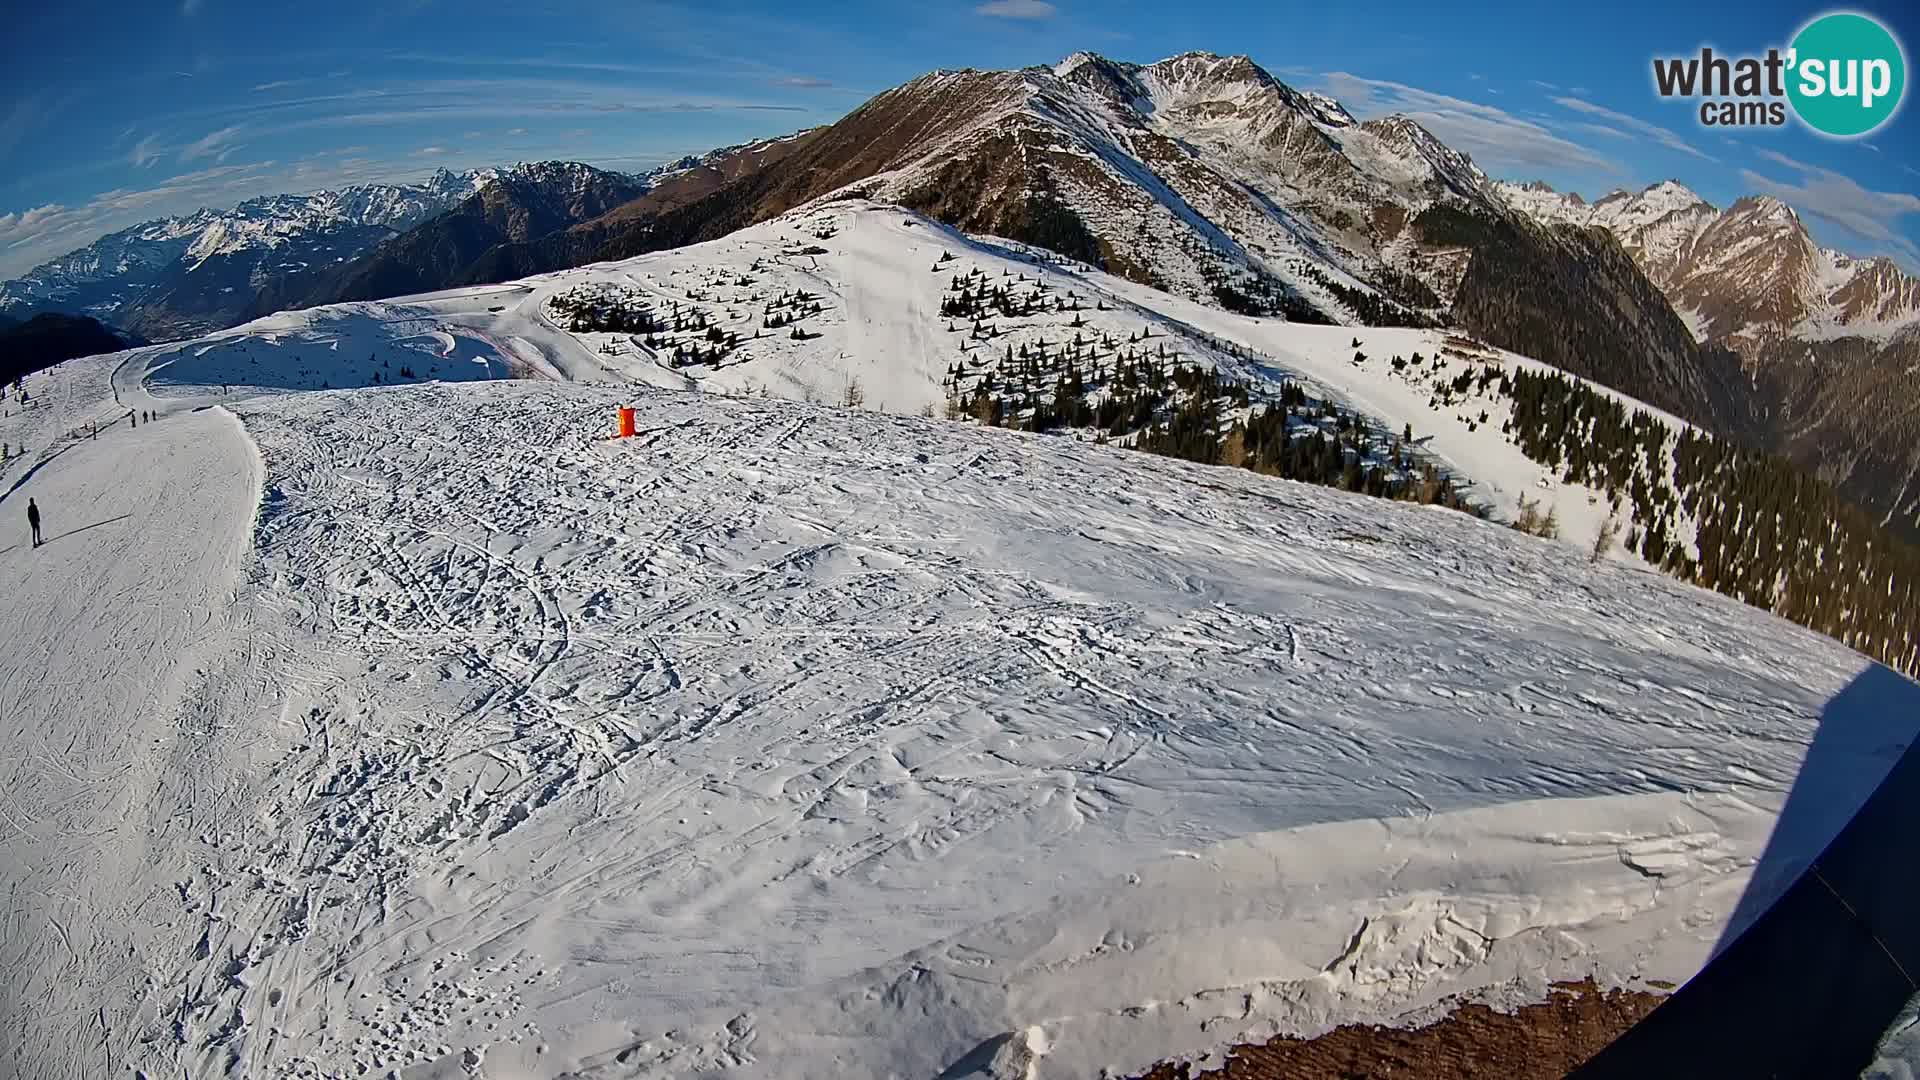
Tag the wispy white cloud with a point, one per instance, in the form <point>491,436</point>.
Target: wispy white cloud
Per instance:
<point>1872,217</point>
<point>147,151</point>
<point>1492,135</point>
<point>29,237</point>
<point>282,84</point>
<point>213,144</point>
<point>203,182</point>
<point>1779,158</point>
<point>550,63</point>
<point>455,101</point>
<point>803,82</point>
<point>1598,129</point>
<point>24,227</point>
<point>509,108</point>
<point>336,152</point>
<point>1017,9</point>
<point>1658,134</point>
<point>429,151</point>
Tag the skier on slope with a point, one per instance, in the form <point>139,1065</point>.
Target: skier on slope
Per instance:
<point>33,521</point>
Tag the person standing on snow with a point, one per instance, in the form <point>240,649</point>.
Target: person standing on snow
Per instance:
<point>33,521</point>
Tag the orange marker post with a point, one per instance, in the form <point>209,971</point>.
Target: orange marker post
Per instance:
<point>626,424</point>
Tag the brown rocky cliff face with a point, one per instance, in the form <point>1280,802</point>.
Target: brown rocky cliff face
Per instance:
<point>1751,273</point>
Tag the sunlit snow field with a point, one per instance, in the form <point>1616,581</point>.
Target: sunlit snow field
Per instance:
<point>356,729</point>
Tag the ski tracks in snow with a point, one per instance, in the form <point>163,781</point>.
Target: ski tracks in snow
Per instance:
<point>540,743</point>
<point>604,732</point>
<point>126,694</point>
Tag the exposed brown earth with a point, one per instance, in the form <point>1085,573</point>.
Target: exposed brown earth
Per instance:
<point>1543,1041</point>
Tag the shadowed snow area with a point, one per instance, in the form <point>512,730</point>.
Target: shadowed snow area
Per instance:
<point>426,730</point>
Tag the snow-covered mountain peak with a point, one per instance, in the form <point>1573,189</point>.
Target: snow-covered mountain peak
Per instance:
<point>1433,161</point>
<point>1255,178</point>
<point>448,183</point>
<point>1328,111</point>
<point>1065,68</point>
<point>1210,72</point>
<point>1671,193</point>
<point>1539,200</point>
<point>269,234</point>
<point>1765,209</point>
<point>1658,219</point>
<point>1115,82</point>
<point>1195,82</point>
<point>1749,275</point>
<point>1199,81</point>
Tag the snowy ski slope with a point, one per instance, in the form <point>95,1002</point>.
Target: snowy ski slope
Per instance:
<point>879,275</point>
<point>423,730</point>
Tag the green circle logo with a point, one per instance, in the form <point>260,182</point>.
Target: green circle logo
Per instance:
<point>1848,74</point>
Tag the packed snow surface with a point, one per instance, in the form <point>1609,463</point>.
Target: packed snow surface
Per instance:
<point>425,730</point>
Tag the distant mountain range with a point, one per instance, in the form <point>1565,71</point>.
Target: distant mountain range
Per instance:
<point>1748,275</point>
<point>508,206</point>
<point>1202,175</point>
<point>1829,342</point>
<point>185,275</point>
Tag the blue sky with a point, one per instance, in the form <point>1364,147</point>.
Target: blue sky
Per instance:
<point>114,113</point>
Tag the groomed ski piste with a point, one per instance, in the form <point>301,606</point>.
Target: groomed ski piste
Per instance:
<point>425,730</point>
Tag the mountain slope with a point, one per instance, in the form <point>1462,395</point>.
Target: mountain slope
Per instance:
<point>1200,174</point>
<point>190,274</point>
<point>513,206</point>
<point>880,745</point>
<point>858,302</point>
<point>204,271</point>
<point>1744,277</point>
<point>1206,177</point>
<point>1828,342</point>
<point>1574,298</point>
<point>669,188</point>
<point>49,338</point>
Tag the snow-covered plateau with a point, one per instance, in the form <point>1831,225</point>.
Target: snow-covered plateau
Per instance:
<point>372,712</point>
